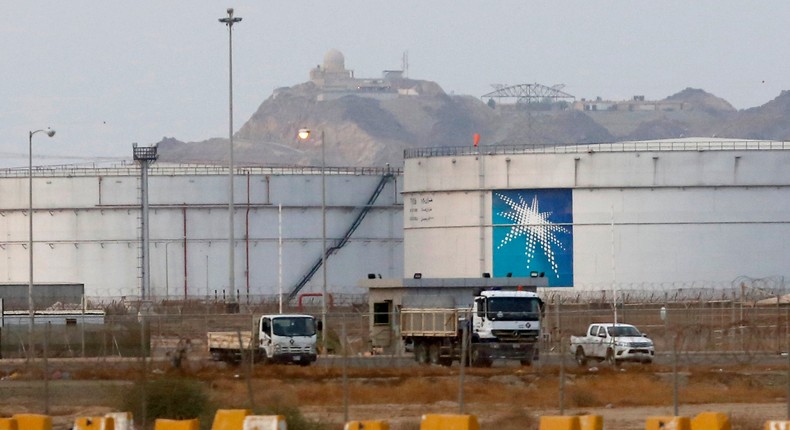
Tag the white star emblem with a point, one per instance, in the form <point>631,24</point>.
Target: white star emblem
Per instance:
<point>534,225</point>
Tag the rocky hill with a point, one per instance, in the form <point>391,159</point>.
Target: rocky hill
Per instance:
<point>369,131</point>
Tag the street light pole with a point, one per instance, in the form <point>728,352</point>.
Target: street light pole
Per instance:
<point>304,134</point>
<point>31,308</point>
<point>323,244</point>
<point>229,21</point>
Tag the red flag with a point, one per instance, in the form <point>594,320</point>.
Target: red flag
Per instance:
<point>477,139</point>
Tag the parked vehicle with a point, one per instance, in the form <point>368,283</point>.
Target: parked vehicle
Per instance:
<point>612,343</point>
<point>274,338</point>
<point>499,325</point>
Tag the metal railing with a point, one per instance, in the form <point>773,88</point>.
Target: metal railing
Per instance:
<point>628,146</point>
<point>131,169</point>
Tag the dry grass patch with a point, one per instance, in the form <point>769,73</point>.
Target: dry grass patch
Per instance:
<point>747,422</point>
<point>732,387</point>
<point>617,389</point>
<point>518,419</point>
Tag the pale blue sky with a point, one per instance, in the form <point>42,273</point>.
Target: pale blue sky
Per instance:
<point>106,74</point>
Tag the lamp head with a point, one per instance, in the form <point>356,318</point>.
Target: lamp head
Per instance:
<point>50,132</point>
<point>303,133</point>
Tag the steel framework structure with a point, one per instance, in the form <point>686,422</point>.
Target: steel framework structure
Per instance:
<point>529,93</point>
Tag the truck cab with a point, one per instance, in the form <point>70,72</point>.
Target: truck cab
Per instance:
<point>506,324</point>
<point>502,315</point>
<point>288,338</point>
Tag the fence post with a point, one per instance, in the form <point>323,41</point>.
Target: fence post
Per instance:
<point>675,375</point>
<point>464,347</point>
<point>46,368</point>
<point>345,370</point>
<point>247,368</point>
<point>562,377</point>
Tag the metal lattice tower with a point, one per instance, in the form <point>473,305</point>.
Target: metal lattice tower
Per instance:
<point>528,93</point>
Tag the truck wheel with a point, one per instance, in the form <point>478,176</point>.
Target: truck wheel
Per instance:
<point>446,361</point>
<point>420,353</point>
<point>480,360</point>
<point>581,359</point>
<point>526,362</point>
<point>610,360</point>
<point>433,353</point>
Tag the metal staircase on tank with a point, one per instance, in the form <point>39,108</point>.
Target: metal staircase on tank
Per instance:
<point>331,250</point>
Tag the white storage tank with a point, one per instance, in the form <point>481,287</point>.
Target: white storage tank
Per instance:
<point>664,214</point>
<point>87,229</point>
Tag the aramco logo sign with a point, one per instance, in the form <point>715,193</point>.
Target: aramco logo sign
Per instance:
<point>533,232</point>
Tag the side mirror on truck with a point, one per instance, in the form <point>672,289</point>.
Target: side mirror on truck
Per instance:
<point>319,325</point>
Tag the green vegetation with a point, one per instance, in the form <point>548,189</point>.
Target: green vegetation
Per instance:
<point>172,398</point>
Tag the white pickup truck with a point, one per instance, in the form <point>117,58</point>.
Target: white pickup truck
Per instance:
<point>612,343</point>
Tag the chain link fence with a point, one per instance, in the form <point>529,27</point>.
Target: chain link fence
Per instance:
<point>739,327</point>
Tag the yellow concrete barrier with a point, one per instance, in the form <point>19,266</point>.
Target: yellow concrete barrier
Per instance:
<point>94,423</point>
<point>8,424</point>
<point>667,423</point>
<point>591,422</point>
<point>711,421</point>
<point>367,425</point>
<point>121,420</point>
<point>449,422</point>
<point>33,421</point>
<point>165,424</point>
<point>777,425</point>
<point>229,419</point>
<point>559,422</point>
<point>264,422</point>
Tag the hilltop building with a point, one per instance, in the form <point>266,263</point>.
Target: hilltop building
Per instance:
<point>637,103</point>
<point>335,81</point>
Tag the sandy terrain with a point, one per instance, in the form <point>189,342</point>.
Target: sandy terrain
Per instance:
<point>502,398</point>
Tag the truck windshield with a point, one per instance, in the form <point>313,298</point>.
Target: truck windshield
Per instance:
<point>622,331</point>
<point>294,326</point>
<point>513,309</point>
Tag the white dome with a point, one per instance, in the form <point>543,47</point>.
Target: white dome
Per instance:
<point>334,61</point>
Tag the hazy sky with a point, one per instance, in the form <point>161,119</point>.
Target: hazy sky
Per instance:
<point>105,74</point>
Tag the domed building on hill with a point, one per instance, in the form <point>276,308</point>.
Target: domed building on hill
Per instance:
<point>335,81</point>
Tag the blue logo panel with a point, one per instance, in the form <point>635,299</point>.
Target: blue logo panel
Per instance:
<point>533,232</point>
